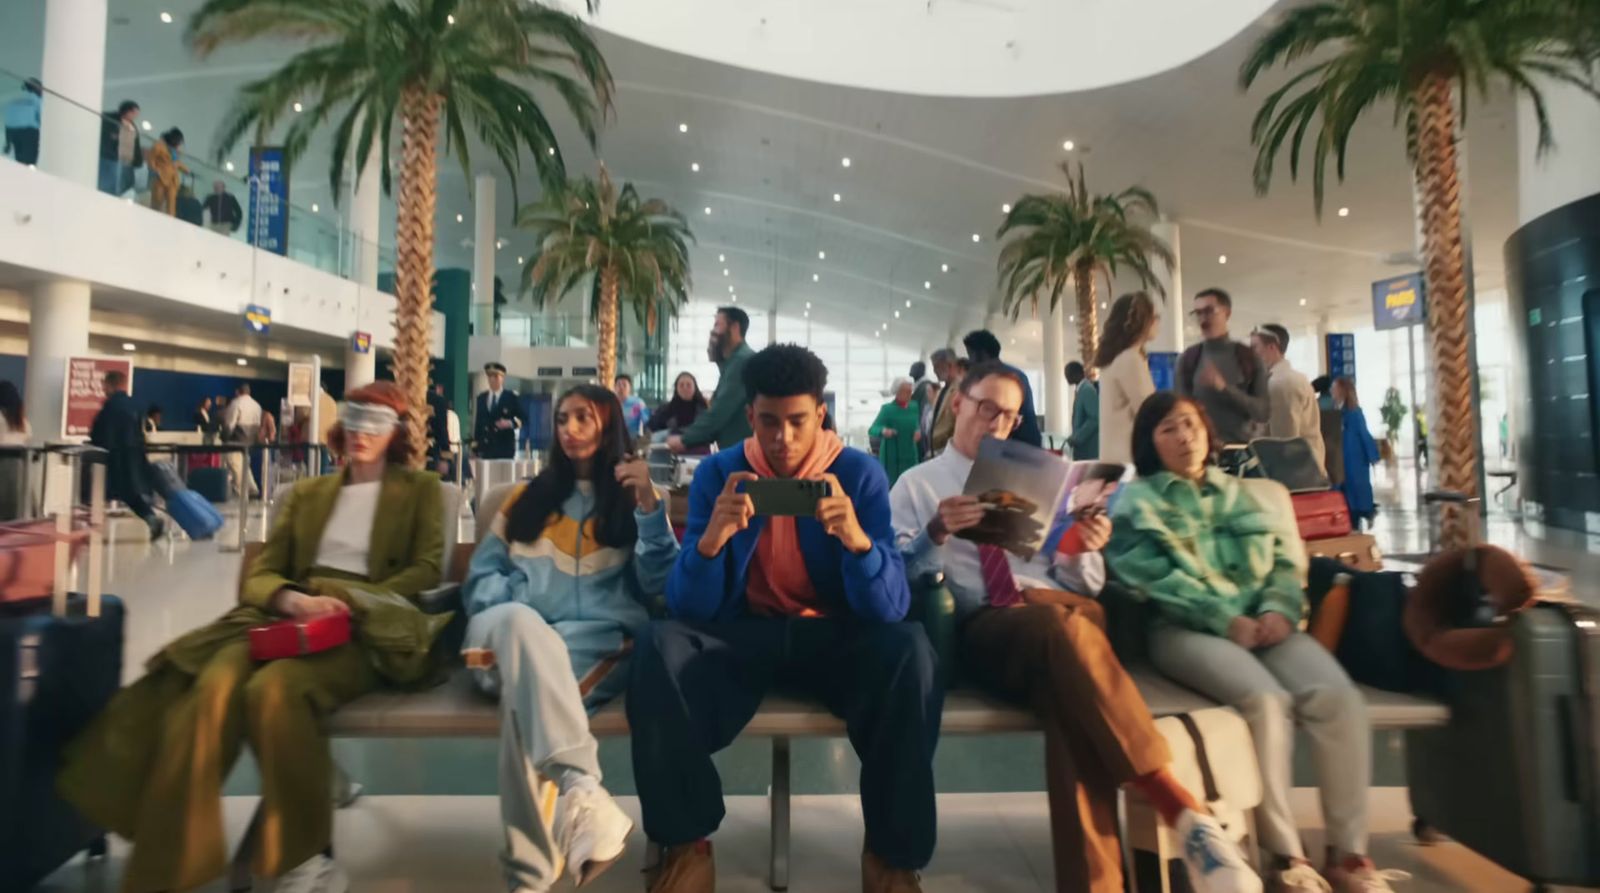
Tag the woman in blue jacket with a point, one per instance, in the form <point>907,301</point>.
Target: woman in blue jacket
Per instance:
<point>556,594</point>
<point>1360,454</point>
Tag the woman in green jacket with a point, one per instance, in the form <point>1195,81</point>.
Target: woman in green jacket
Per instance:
<point>365,542</point>
<point>1221,561</point>
<point>898,430</point>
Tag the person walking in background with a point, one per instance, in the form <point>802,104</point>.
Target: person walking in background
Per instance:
<point>1360,454</point>
<point>679,412</point>
<point>14,429</point>
<point>222,211</point>
<point>1322,385</point>
<point>634,412</point>
<point>241,426</point>
<point>983,346</point>
<point>1124,367</point>
<point>269,428</point>
<point>1291,401</point>
<point>896,427</point>
<point>438,431</point>
<point>1223,374</point>
<point>120,151</point>
<point>725,423</point>
<point>202,422</point>
<point>22,123</point>
<point>497,417</point>
<point>1085,437</point>
<point>152,420</point>
<point>116,430</point>
<point>166,172</point>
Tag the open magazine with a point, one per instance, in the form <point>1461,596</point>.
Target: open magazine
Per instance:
<point>1029,492</point>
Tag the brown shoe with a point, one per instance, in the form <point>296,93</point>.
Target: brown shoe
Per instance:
<point>686,868</point>
<point>877,877</point>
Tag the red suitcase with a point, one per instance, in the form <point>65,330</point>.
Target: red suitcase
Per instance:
<point>296,638</point>
<point>1321,515</point>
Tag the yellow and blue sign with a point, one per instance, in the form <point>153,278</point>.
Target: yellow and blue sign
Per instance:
<point>257,319</point>
<point>1398,302</point>
<point>361,342</point>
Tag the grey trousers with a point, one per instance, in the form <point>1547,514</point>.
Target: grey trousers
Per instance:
<point>544,732</point>
<point>1296,680</point>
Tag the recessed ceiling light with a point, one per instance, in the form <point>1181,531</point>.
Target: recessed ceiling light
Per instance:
<point>708,210</point>
<point>298,107</point>
<point>837,197</point>
<point>722,258</point>
<point>725,271</point>
<point>519,260</point>
<point>877,334</point>
<point>1013,341</point>
<point>683,128</point>
<point>145,124</point>
<point>897,314</point>
<point>1069,145</point>
<point>227,165</point>
<point>499,244</point>
<point>908,302</point>
<point>1222,258</point>
<point>550,151</point>
<point>944,268</point>
<point>450,20</point>
<point>1302,302</point>
<point>1103,305</point>
<point>806,314</point>
<point>1344,212</point>
<point>815,278</point>
<point>242,361</point>
<point>808,305</point>
<point>844,162</point>
<point>926,284</point>
<point>314,208</point>
<point>166,18</point>
<point>734,298</point>
<point>730,289</point>
<point>694,166</point>
<point>822,255</point>
<point>1072,319</point>
<point>129,345</point>
<point>975,237</point>
<point>460,219</point>
<point>885,327</point>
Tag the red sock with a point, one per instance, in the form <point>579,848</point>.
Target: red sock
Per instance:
<point>1166,794</point>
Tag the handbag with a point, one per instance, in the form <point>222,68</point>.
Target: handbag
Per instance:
<point>297,638</point>
<point>1214,754</point>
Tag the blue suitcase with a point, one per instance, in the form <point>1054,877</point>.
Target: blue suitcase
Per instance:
<point>198,517</point>
<point>211,483</point>
<point>56,673</point>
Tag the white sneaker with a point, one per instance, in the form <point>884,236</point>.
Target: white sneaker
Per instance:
<point>1300,877</point>
<point>318,874</point>
<point>1214,862</point>
<point>591,831</point>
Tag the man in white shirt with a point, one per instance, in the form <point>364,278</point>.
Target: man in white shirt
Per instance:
<point>241,424</point>
<point>1024,637</point>
<point>1292,401</point>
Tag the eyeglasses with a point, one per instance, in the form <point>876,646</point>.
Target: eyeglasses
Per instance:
<point>1203,312</point>
<point>988,410</point>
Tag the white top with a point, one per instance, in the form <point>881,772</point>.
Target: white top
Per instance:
<point>914,502</point>
<point>12,437</point>
<point>1294,410</point>
<point>453,429</point>
<point>243,412</point>
<point>1124,385</point>
<point>348,536</point>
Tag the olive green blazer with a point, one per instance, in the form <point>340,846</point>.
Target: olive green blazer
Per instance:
<point>407,547</point>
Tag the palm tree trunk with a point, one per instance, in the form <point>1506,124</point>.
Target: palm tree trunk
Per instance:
<point>608,325</point>
<point>1455,437</point>
<point>413,279</point>
<point>1088,314</point>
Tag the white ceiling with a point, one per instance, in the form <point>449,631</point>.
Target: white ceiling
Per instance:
<point>926,173</point>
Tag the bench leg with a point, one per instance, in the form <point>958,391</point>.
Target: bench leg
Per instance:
<point>239,869</point>
<point>779,876</point>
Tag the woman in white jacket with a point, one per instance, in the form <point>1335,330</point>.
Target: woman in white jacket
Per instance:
<point>1124,372</point>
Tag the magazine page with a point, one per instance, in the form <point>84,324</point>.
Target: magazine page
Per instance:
<point>1087,493</point>
<point>1019,486</point>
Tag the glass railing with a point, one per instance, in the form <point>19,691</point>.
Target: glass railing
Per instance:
<point>211,196</point>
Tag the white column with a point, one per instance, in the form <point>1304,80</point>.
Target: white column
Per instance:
<point>1568,171</point>
<point>360,369</point>
<point>483,187</point>
<point>1055,384</point>
<point>74,77</point>
<point>1174,312</point>
<point>772,325</point>
<point>58,327</point>
<point>364,218</point>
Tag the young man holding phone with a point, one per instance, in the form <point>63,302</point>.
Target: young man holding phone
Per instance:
<point>813,600</point>
<point>1024,635</point>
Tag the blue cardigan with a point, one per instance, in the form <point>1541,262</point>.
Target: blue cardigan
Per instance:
<point>871,586</point>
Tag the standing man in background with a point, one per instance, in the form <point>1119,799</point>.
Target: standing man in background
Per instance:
<point>944,418</point>
<point>723,423</point>
<point>1085,436</point>
<point>241,425</point>
<point>1224,375</point>
<point>983,346</point>
<point>944,361</point>
<point>22,122</point>
<point>222,211</point>
<point>116,430</point>
<point>1291,401</point>
<point>497,417</point>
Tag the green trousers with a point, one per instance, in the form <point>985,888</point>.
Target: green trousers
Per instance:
<point>151,766</point>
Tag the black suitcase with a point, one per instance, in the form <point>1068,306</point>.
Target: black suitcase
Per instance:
<point>1515,776</point>
<point>56,673</point>
<point>212,483</point>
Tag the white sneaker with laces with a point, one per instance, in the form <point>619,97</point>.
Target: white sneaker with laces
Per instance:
<point>318,874</point>
<point>1300,877</point>
<point>591,830</point>
<point>1213,861</point>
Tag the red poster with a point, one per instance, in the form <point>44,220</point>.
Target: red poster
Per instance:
<point>85,391</point>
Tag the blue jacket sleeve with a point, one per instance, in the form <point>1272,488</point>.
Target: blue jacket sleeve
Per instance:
<point>875,581</point>
<point>655,552</point>
<point>698,585</point>
<point>492,578</point>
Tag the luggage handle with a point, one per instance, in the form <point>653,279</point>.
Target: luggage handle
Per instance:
<point>64,536</point>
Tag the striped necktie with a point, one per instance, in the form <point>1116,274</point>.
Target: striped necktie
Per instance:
<point>998,582</point>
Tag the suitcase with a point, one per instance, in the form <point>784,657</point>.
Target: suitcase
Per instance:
<point>1290,462</point>
<point>1357,550</point>
<point>164,479</point>
<point>198,517</point>
<point>1321,515</point>
<point>210,483</point>
<point>1527,735</point>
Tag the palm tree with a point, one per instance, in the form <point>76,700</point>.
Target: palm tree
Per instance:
<point>1414,54</point>
<point>431,63</point>
<point>1075,235</point>
<point>637,250</point>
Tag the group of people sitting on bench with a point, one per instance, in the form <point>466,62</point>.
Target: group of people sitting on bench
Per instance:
<point>564,598</point>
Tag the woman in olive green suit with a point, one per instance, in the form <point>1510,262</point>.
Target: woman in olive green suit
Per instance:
<point>365,541</point>
<point>898,428</point>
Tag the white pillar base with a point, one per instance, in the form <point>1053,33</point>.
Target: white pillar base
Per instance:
<point>58,328</point>
<point>360,369</point>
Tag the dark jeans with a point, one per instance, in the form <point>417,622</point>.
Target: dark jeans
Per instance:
<point>24,143</point>
<point>694,686</point>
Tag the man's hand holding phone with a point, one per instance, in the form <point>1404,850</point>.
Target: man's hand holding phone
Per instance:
<point>956,513</point>
<point>731,514</point>
<point>837,514</point>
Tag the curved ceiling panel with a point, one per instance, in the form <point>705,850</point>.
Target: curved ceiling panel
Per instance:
<point>940,47</point>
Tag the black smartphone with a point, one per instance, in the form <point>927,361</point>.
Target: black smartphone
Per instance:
<point>785,496</point>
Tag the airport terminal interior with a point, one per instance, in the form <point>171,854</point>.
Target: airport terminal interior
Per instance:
<point>206,210</point>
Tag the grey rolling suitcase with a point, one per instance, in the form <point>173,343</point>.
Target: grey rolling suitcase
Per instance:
<point>1515,776</point>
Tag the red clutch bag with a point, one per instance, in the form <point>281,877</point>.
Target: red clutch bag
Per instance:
<point>294,638</point>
